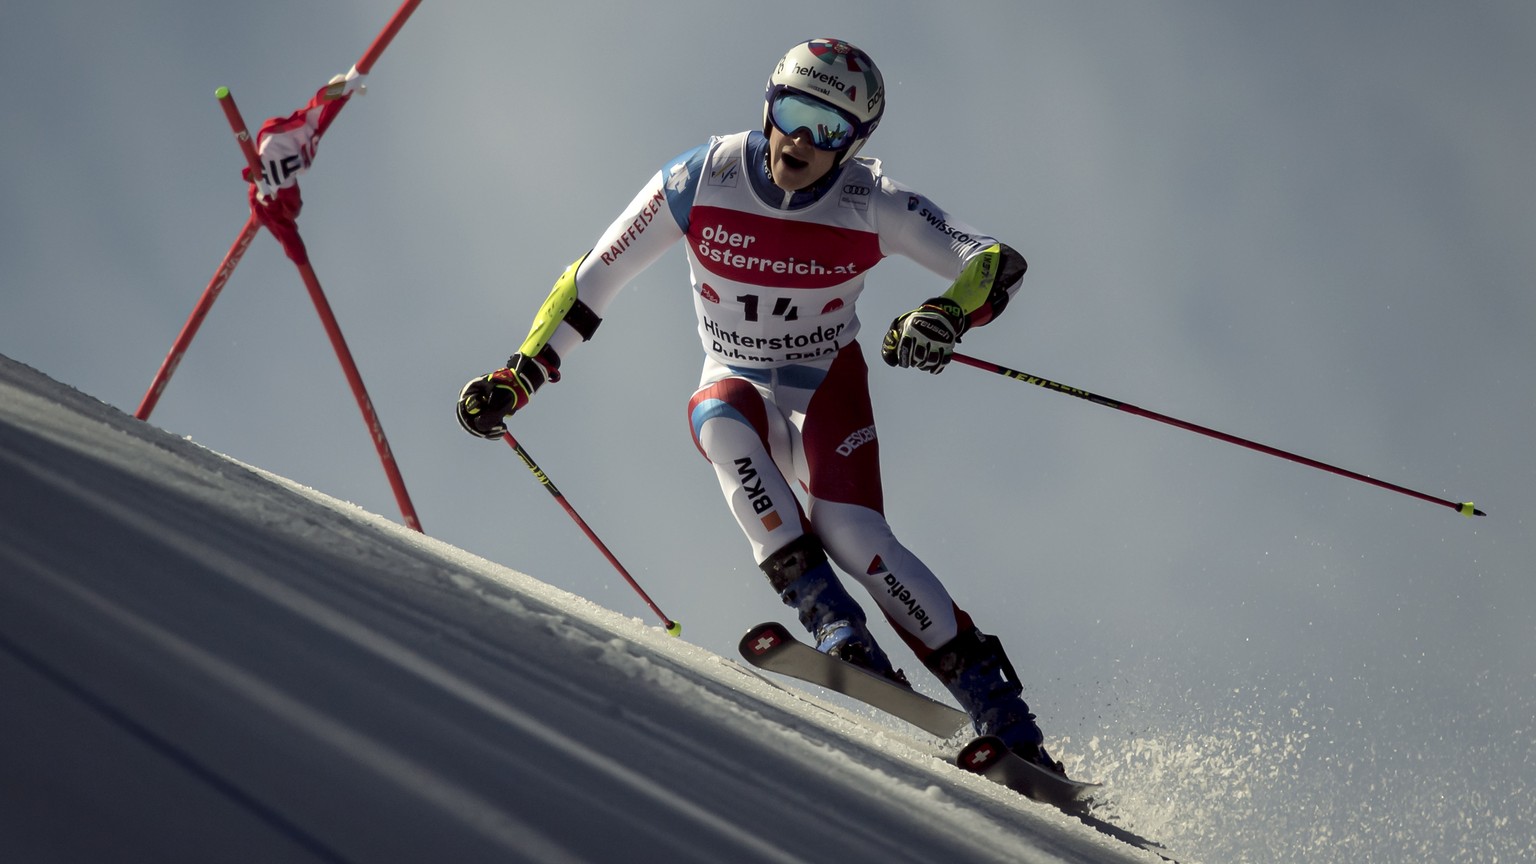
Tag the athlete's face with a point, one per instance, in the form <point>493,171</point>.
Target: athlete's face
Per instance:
<point>794,163</point>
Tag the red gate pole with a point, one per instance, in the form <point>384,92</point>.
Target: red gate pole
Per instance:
<point>332,328</point>
<point>247,234</point>
<point>387,35</point>
<point>195,320</point>
<point>360,393</point>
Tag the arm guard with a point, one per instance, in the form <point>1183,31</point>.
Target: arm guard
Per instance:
<point>562,305</point>
<point>987,283</point>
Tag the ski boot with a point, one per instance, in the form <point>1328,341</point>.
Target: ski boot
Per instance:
<point>973,667</point>
<point>804,579</point>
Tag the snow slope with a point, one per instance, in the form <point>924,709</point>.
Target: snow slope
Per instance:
<point>203,662</point>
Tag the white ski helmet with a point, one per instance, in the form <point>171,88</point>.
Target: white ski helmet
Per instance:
<point>826,73</point>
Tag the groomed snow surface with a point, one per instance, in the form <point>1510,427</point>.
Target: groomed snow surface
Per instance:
<point>203,662</point>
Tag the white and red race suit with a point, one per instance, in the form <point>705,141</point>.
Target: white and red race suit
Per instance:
<point>784,395</point>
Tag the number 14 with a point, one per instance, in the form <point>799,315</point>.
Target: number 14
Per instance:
<point>782,308</point>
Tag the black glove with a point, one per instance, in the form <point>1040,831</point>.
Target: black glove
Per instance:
<point>925,337</point>
<point>486,402</point>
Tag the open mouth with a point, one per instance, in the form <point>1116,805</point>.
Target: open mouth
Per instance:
<point>793,163</point>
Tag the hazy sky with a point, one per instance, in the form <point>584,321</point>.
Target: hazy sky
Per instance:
<point>1309,224</point>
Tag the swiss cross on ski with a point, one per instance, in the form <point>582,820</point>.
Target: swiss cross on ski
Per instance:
<point>765,640</point>
<point>980,755</point>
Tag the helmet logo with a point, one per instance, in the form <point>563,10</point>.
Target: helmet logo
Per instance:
<point>824,82</point>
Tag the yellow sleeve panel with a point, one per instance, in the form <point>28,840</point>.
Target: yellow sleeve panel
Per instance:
<point>560,301</point>
<point>974,286</point>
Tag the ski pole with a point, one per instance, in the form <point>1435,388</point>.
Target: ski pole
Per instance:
<point>1464,508</point>
<point>673,628</point>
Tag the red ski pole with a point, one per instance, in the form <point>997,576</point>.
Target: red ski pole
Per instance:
<point>1465,508</point>
<point>673,628</point>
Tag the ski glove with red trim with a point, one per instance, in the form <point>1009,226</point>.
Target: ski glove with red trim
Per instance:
<point>925,337</point>
<point>486,402</point>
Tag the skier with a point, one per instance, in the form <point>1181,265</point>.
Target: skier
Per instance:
<point>781,226</point>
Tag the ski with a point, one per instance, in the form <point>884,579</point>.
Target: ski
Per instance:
<point>991,758</point>
<point>770,647</point>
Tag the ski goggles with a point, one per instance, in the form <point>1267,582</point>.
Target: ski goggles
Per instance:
<point>830,128</point>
